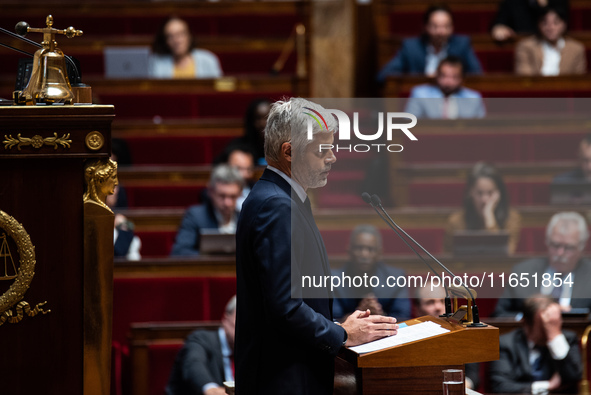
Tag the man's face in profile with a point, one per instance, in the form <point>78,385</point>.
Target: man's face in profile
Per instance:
<point>449,78</point>
<point>585,159</point>
<point>311,169</point>
<point>364,252</point>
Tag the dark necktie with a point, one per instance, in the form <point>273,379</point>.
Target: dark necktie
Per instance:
<point>308,205</point>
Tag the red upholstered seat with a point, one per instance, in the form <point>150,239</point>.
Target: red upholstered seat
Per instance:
<point>161,359</point>
<point>470,148</point>
<point>221,289</point>
<point>156,243</point>
<point>158,299</point>
<point>179,150</point>
<point>175,105</point>
<point>446,194</point>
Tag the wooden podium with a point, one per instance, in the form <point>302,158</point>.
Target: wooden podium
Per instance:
<point>415,368</point>
<point>54,250</point>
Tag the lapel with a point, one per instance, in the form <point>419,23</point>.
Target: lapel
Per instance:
<point>275,178</point>
<point>523,351</point>
<point>538,56</point>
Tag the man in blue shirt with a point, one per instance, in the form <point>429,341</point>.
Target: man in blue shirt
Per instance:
<point>421,55</point>
<point>446,98</point>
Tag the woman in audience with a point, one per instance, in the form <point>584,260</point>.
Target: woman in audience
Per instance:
<point>550,52</point>
<point>486,207</point>
<point>175,55</point>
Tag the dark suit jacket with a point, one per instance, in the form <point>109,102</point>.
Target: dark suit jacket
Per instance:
<point>196,218</point>
<point>199,362</point>
<point>511,301</point>
<point>394,300</point>
<point>511,373</point>
<point>522,15</point>
<point>284,344</point>
<point>410,59</point>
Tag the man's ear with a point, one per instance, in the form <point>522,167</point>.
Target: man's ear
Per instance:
<point>286,151</point>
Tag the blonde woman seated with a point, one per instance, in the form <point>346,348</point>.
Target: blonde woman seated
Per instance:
<point>549,52</point>
<point>486,207</point>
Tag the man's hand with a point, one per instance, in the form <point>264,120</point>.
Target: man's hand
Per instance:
<point>555,382</point>
<point>362,327</point>
<point>370,302</point>
<point>552,321</point>
<point>502,32</point>
<point>215,391</point>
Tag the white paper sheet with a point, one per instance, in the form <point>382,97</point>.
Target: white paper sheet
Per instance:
<point>405,335</point>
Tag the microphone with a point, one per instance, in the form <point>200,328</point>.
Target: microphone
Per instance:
<point>373,202</point>
<point>376,201</point>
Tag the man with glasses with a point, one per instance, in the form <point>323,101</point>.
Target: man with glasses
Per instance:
<point>365,250</point>
<point>563,274</point>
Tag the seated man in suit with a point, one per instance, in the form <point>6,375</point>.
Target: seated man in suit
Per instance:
<point>241,157</point>
<point>206,360</point>
<point>583,172</point>
<point>446,98</point>
<point>219,212</point>
<point>421,55</point>
<point>539,357</point>
<point>365,249</point>
<point>567,274</point>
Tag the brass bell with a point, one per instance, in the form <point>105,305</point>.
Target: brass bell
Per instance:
<point>49,81</point>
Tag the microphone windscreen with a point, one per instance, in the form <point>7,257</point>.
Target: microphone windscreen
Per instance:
<point>366,198</point>
<point>375,199</point>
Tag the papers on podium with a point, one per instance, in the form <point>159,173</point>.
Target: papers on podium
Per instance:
<point>405,335</point>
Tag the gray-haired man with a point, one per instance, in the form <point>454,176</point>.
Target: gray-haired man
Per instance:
<point>219,212</point>
<point>566,237</point>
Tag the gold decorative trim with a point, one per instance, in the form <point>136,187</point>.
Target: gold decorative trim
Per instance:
<point>24,275</point>
<point>37,141</point>
<point>94,140</point>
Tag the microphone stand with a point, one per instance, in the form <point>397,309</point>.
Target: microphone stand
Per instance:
<point>369,201</point>
<point>376,201</point>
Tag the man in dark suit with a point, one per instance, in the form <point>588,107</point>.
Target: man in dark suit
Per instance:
<point>583,172</point>
<point>421,55</point>
<point>566,236</point>
<point>539,357</point>
<point>286,340</point>
<point>365,249</point>
<point>219,212</point>
<point>206,359</point>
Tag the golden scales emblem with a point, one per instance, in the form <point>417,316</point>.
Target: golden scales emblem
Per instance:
<point>21,277</point>
<point>5,253</point>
